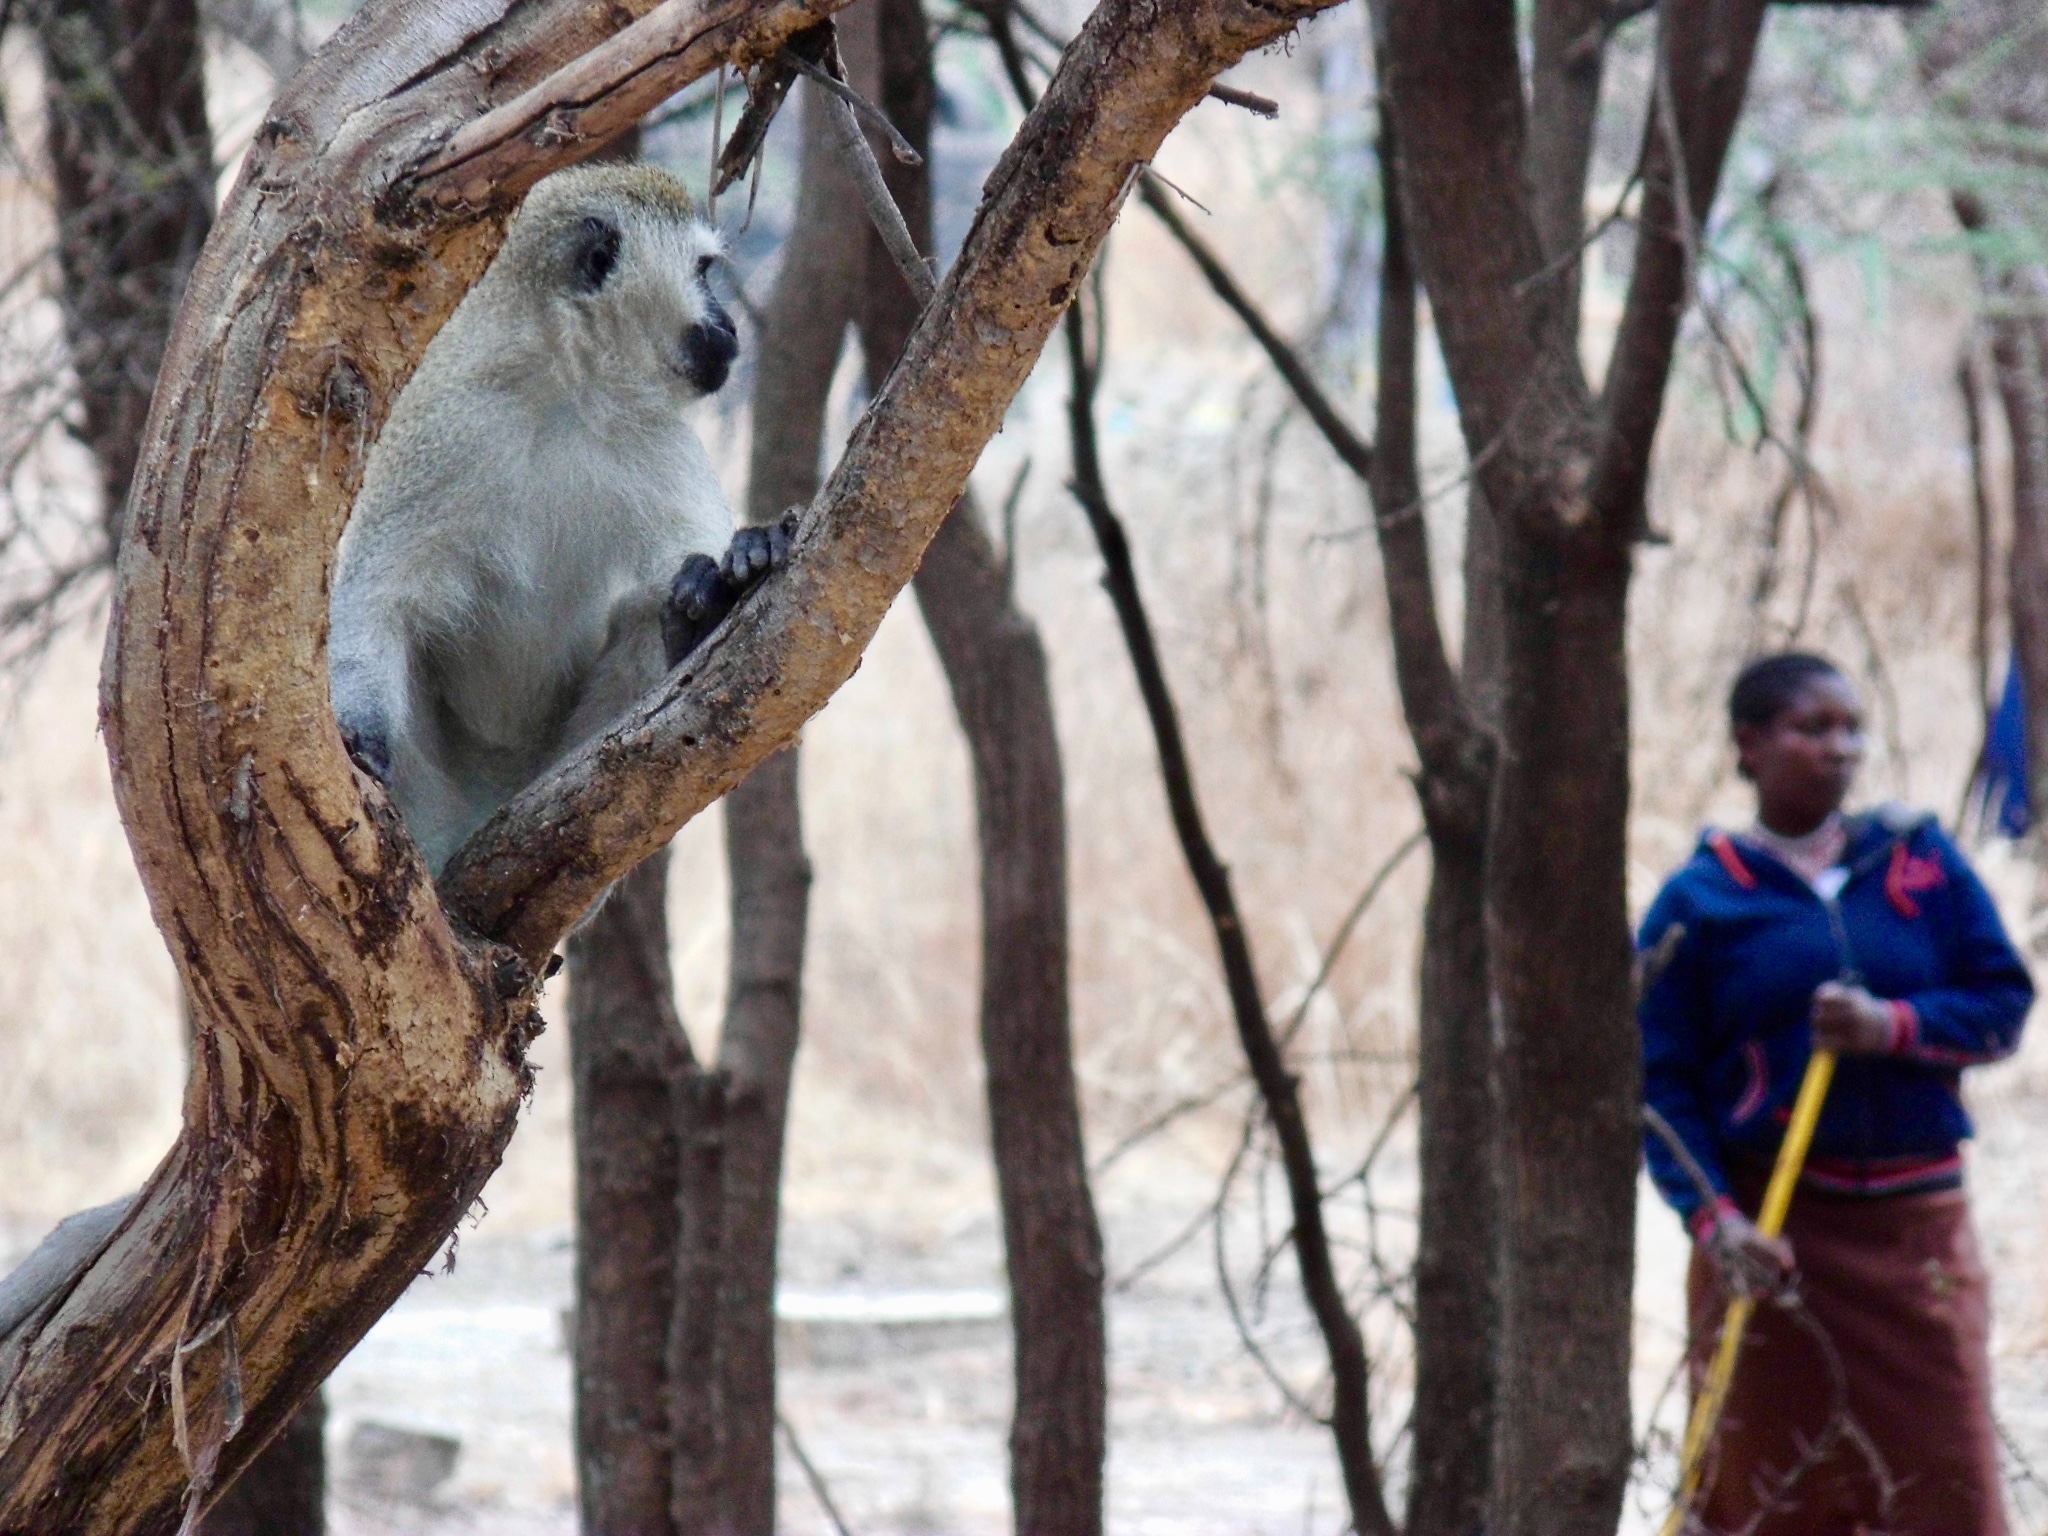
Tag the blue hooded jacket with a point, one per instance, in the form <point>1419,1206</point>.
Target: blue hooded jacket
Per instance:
<point>1725,1010</point>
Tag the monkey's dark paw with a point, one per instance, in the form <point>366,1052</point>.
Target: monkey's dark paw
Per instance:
<point>697,599</point>
<point>368,749</point>
<point>754,552</point>
<point>700,591</point>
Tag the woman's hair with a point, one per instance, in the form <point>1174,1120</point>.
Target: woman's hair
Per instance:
<point>1767,687</point>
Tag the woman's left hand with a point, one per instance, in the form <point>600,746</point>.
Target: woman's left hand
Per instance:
<point>1850,1022</point>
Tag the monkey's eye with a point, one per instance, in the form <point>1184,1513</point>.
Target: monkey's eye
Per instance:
<point>597,254</point>
<point>705,264</point>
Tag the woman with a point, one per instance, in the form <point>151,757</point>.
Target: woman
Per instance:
<point>1862,1401</point>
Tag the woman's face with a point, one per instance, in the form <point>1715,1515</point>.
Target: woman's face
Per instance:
<point>1804,761</point>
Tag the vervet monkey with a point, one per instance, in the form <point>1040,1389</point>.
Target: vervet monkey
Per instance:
<point>539,530</point>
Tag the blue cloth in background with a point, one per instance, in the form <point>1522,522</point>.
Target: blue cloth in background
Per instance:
<point>2004,780</point>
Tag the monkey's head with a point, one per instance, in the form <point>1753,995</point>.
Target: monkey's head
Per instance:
<point>616,261</point>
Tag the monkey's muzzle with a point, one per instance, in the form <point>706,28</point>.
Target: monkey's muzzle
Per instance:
<point>708,350</point>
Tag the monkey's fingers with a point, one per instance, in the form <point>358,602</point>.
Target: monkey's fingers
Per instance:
<point>748,558</point>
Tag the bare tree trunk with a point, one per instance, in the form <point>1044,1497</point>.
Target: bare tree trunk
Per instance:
<point>771,880</point>
<point>630,1067</point>
<point>132,165</point>
<point>1457,1301</point>
<point>131,161</point>
<point>995,666</point>
<point>1564,480</point>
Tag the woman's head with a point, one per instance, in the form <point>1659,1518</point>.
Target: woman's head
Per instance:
<point>1799,734</point>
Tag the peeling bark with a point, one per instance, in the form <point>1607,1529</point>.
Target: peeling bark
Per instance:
<point>359,1058</point>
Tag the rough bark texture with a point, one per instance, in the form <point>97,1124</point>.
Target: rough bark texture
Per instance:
<point>1987,63</point>
<point>131,165</point>
<point>771,881</point>
<point>1564,480</point>
<point>360,1060</point>
<point>1457,1301</point>
<point>995,666</point>
<point>630,1069</point>
<point>131,161</point>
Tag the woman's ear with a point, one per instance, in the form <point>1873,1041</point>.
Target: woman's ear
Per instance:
<point>1747,739</point>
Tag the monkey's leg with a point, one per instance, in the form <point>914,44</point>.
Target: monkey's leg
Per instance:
<point>704,592</point>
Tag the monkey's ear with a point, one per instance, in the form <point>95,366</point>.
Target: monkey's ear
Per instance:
<point>596,254</point>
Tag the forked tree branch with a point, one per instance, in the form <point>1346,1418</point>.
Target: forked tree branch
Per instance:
<point>359,1059</point>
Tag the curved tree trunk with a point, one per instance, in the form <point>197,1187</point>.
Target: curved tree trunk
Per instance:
<point>360,1057</point>
<point>131,160</point>
<point>995,666</point>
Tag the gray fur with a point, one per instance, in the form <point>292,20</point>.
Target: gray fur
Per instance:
<point>57,1261</point>
<point>499,593</point>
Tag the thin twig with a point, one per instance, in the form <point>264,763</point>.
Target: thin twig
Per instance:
<point>1279,1090</point>
<point>1251,101</point>
<point>866,171</point>
<point>899,146</point>
<point>812,1475</point>
<point>1342,937</point>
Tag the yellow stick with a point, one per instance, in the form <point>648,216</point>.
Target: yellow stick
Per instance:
<point>1706,1411</point>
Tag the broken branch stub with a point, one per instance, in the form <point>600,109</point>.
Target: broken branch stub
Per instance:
<point>359,1058</point>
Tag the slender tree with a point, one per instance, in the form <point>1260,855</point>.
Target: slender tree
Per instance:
<point>995,667</point>
<point>1491,211</point>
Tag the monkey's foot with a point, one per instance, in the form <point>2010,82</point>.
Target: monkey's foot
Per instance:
<point>368,750</point>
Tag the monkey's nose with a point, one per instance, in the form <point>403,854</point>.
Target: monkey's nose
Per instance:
<point>708,350</point>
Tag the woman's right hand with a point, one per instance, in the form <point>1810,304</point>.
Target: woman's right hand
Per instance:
<point>1749,1263</point>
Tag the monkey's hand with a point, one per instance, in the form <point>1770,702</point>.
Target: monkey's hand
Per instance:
<point>704,593</point>
<point>368,748</point>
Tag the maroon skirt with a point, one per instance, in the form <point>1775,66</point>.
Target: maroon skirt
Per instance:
<point>1864,1407</point>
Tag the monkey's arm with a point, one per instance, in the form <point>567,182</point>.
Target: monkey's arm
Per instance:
<point>705,591</point>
